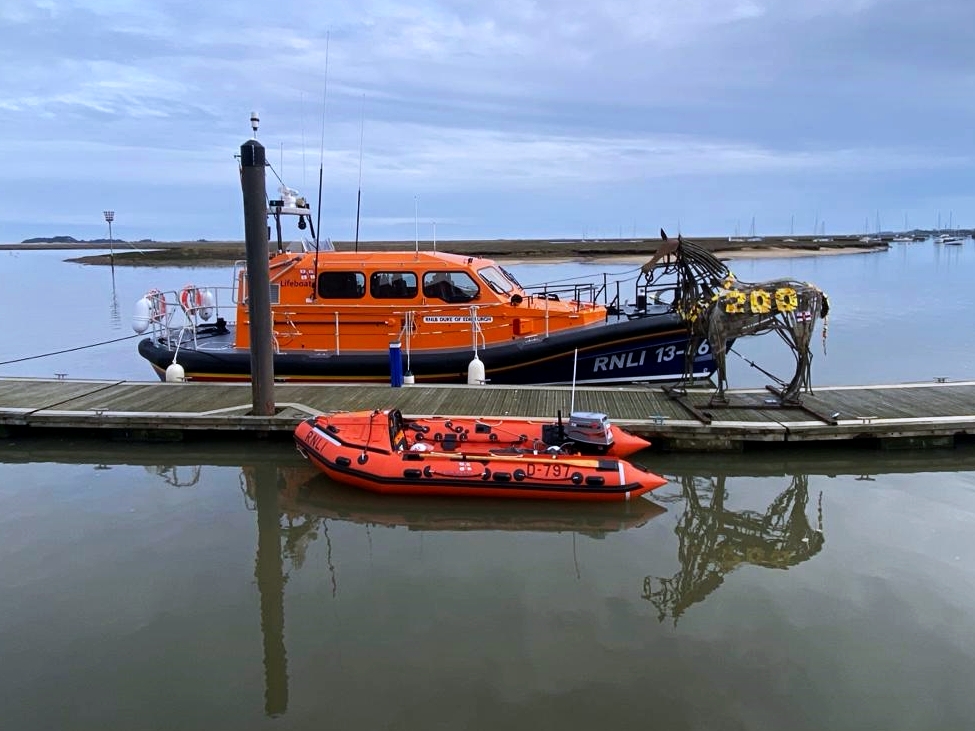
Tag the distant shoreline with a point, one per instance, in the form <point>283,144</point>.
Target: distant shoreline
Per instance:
<point>206,253</point>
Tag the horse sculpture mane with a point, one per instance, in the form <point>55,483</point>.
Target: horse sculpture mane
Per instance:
<point>718,308</point>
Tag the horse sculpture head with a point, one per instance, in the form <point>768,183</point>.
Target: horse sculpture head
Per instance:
<point>719,308</point>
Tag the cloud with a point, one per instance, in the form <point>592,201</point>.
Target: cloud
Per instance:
<point>522,97</point>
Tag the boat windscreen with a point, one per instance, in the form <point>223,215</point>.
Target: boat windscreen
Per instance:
<point>493,277</point>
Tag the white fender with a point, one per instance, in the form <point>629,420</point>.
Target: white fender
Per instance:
<point>208,303</point>
<point>475,373</point>
<point>142,316</point>
<point>175,373</point>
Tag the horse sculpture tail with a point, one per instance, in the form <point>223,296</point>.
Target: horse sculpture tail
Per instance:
<point>824,313</point>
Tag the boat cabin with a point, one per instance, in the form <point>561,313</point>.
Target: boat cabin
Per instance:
<point>361,301</point>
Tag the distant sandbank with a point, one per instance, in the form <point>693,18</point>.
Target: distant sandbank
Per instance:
<point>637,251</point>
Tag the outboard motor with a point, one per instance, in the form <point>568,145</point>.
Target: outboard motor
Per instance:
<point>589,427</point>
<point>588,432</point>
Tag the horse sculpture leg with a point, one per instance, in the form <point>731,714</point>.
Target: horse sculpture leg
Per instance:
<point>687,377</point>
<point>802,380</point>
<point>802,332</point>
<point>717,335</point>
<point>719,351</point>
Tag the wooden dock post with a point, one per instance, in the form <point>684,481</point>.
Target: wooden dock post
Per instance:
<point>252,163</point>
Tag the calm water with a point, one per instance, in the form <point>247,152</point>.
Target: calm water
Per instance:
<point>901,315</point>
<point>164,587</point>
<point>185,586</point>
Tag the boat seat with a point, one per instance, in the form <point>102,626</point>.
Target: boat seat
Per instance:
<point>402,290</point>
<point>397,433</point>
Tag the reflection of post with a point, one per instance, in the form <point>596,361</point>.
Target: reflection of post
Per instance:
<point>270,584</point>
<point>115,316</point>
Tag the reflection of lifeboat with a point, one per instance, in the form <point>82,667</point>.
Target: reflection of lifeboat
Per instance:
<point>585,433</point>
<point>339,502</point>
<point>305,491</point>
<point>371,450</point>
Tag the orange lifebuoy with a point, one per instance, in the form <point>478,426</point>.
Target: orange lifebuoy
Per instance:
<point>191,298</point>
<point>157,303</point>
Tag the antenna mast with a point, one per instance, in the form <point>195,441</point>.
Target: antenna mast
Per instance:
<point>358,197</point>
<point>321,165</point>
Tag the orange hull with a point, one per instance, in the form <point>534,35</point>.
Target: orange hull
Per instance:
<point>371,453</point>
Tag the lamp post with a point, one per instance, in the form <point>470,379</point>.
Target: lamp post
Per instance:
<point>109,217</point>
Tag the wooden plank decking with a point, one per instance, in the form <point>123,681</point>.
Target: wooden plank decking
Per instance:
<point>901,415</point>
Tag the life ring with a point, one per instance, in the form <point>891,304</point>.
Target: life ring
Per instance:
<point>157,303</point>
<point>191,298</point>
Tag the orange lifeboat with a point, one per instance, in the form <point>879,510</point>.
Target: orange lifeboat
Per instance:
<point>454,318</point>
<point>372,450</point>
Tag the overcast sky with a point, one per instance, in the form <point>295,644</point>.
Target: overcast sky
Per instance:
<point>511,118</point>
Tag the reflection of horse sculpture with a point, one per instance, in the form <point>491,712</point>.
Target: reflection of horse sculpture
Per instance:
<point>718,308</point>
<point>715,540</point>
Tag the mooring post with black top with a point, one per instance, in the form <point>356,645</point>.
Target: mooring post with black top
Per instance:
<point>252,163</point>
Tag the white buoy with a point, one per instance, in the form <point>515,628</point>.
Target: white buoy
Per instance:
<point>208,301</point>
<point>175,373</point>
<point>408,379</point>
<point>142,316</point>
<point>475,373</point>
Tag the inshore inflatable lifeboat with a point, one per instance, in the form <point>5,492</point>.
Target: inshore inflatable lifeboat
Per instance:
<point>371,450</point>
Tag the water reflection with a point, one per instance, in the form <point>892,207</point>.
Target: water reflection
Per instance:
<point>726,512</point>
<point>714,540</point>
<point>295,502</point>
<point>114,315</point>
<point>176,475</point>
<point>304,494</point>
<point>269,571</point>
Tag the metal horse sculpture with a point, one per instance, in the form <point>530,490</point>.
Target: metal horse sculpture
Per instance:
<point>717,307</point>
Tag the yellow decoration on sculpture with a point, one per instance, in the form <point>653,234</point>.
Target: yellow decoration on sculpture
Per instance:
<point>760,301</point>
<point>786,299</point>
<point>734,301</point>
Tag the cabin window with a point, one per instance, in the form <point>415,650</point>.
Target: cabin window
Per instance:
<point>393,285</point>
<point>495,279</point>
<point>450,286</point>
<point>341,285</point>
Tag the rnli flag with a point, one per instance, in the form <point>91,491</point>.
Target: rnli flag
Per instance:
<point>804,316</point>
